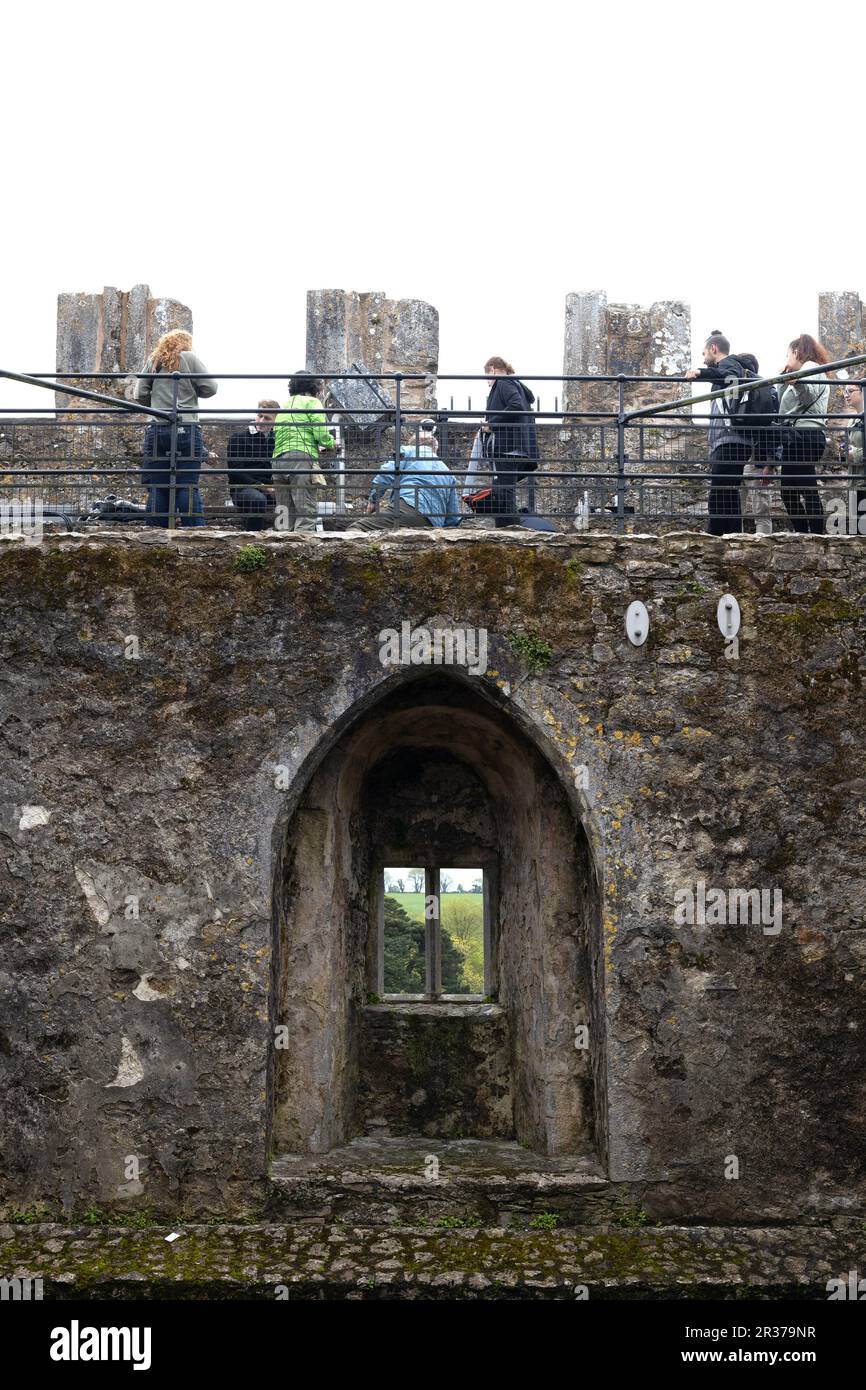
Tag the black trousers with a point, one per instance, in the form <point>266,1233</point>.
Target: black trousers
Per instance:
<point>252,504</point>
<point>801,450</point>
<point>724,514</point>
<point>503,502</point>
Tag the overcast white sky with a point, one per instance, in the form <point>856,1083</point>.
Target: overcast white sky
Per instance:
<point>486,157</point>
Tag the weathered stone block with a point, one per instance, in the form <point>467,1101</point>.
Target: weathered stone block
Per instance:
<point>440,1070</point>
<point>111,332</point>
<point>842,323</point>
<point>379,334</point>
<point>603,339</point>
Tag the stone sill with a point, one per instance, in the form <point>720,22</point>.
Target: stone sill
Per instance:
<point>449,1006</point>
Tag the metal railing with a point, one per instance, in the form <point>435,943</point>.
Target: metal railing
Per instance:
<point>604,461</point>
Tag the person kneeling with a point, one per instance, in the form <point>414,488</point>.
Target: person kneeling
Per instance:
<point>424,495</point>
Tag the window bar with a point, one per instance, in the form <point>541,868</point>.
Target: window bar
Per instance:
<point>432,934</point>
<point>380,941</point>
<point>487,891</point>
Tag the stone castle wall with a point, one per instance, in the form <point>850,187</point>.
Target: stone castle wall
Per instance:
<point>143,826</point>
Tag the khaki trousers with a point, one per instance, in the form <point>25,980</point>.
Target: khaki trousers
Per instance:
<point>295,490</point>
<point>756,499</point>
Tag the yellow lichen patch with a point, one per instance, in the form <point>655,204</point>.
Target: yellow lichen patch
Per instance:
<point>618,733</point>
<point>608,926</point>
<point>583,719</point>
<point>633,739</point>
<point>656,740</point>
<point>616,824</point>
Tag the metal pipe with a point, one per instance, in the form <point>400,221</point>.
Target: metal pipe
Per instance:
<point>620,457</point>
<point>172,477</point>
<point>737,387</point>
<point>88,395</point>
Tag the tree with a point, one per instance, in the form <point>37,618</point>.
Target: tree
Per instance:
<point>416,877</point>
<point>445,881</point>
<point>404,955</point>
<point>463,923</point>
<point>460,888</point>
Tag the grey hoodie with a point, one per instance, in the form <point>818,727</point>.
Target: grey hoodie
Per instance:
<point>158,389</point>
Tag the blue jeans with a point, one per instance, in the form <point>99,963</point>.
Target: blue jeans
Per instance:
<point>188,505</point>
<point>191,449</point>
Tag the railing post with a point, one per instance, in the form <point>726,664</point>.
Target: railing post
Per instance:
<point>398,435</point>
<point>172,477</point>
<point>620,455</point>
<point>860,516</point>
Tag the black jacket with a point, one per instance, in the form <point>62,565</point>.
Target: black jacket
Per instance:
<point>722,411</point>
<point>511,420</point>
<point>244,449</point>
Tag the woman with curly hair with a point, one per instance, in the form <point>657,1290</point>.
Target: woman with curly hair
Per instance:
<point>156,387</point>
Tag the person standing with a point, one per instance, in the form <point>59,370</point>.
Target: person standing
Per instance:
<point>730,449</point>
<point>249,467</point>
<point>757,490</point>
<point>852,453</point>
<point>300,435</point>
<point>803,434</point>
<point>155,387</point>
<point>510,439</point>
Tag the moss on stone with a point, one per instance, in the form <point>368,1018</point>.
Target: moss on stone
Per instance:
<point>535,652</point>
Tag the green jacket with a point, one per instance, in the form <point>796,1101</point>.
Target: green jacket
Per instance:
<point>300,428</point>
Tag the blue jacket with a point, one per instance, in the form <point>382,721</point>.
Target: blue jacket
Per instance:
<point>425,484</point>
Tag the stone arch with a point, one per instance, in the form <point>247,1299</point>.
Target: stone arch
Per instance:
<point>548,928</point>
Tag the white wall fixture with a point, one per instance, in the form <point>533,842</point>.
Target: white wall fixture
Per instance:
<point>637,623</point>
<point>728,614</point>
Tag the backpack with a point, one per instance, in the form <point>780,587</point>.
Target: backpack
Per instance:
<point>755,412</point>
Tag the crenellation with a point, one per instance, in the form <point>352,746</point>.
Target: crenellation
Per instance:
<point>377,333</point>
<point>112,331</point>
<point>604,339</point>
<point>842,323</point>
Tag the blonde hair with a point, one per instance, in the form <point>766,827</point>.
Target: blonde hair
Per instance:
<point>269,407</point>
<point>167,352</point>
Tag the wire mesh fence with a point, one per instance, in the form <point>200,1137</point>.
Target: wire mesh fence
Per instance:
<point>379,462</point>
